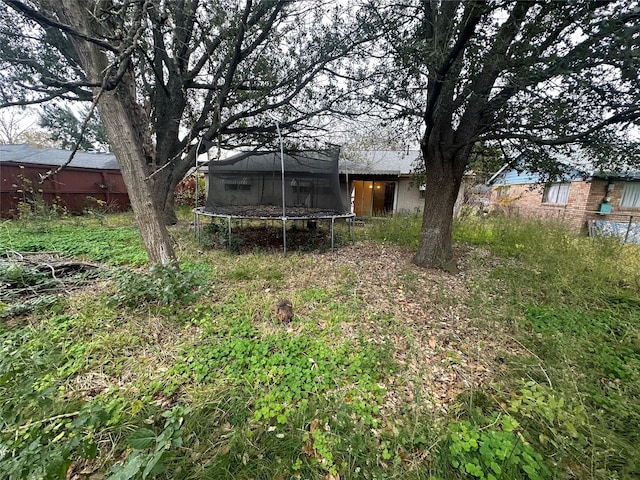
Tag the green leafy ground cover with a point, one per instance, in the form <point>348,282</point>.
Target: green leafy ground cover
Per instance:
<point>525,365</point>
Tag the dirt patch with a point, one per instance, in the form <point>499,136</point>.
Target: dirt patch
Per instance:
<point>440,349</point>
<point>301,236</point>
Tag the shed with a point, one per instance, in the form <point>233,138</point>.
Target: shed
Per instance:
<point>90,180</point>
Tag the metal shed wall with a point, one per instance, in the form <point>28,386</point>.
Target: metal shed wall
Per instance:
<point>74,188</point>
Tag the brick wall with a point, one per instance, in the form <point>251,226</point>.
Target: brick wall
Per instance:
<point>596,196</point>
<point>526,201</point>
<point>583,203</point>
<point>616,197</point>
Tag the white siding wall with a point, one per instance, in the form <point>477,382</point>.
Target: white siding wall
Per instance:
<point>408,196</point>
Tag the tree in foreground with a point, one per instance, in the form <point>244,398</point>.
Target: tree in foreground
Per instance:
<point>524,75</point>
<point>169,77</point>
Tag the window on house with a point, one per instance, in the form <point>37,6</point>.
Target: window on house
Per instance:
<point>502,191</point>
<point>301,186</point>
<point>237,184</point>
<point>557,193</point>
<point>630,195</point>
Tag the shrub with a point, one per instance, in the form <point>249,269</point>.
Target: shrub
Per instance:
<point>185,192</point>
<point>163,285</point>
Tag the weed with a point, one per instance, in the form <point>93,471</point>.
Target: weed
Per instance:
<point>150,452</point>
<point>399,229</point>
<point>25,287</point>
<point>15,276</point>
<point>113,245</point>
<point>32,207</point>
<point>570,302</point>
<point>199,385</point>
<point>283,372</point>
<point>216,234</point>
<point>164,285</point>
<point>37,304</point>
<point>493,451</point>
<point>40,433</point>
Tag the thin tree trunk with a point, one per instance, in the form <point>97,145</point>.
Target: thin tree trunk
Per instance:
<point>169,212</point>
<point>162,189</point>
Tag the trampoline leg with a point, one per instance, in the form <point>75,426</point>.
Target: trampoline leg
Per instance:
<point>229,238</point>
<point>284,235</point>
<point>196,226</point>
<point>333,222</point>
<point>351,231</point>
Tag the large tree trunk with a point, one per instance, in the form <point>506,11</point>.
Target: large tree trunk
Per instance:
<point>127,147</point>
<point>124,125</point>
<point>444,174</point>
<point>163,196</point>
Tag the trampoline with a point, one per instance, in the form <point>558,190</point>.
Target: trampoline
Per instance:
<point>299,185</point>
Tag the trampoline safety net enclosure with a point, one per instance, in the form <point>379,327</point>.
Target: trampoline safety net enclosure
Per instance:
<point>250,185</point>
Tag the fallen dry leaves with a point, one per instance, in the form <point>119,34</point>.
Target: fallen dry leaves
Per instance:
<point>441,352</point>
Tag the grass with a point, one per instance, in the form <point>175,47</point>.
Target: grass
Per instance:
<point>573,304</point>
<point>524,366</point>
<point>91,238</point>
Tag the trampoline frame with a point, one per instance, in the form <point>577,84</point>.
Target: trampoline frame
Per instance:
<point>201,211</point>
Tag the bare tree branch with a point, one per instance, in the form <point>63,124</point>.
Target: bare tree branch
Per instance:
<point>44,20</point>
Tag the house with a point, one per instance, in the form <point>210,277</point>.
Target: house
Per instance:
<point>584,198</point>
<point>381,182</point>
<point>88,181</point>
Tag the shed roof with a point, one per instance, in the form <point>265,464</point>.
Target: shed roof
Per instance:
<point>26,154</point>
<point>379,162</point>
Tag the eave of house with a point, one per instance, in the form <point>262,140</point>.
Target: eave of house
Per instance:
<point>580,168</point>
<point>371,173</point>
<point>616,176</point>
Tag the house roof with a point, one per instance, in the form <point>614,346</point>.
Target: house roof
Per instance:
<point>26,154</point>
<point>579,166</point>
<point>362,162</point>
<point>379,162</point>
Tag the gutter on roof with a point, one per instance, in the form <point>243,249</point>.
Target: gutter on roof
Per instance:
<point>498,173</point>
<point>396,173</point>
